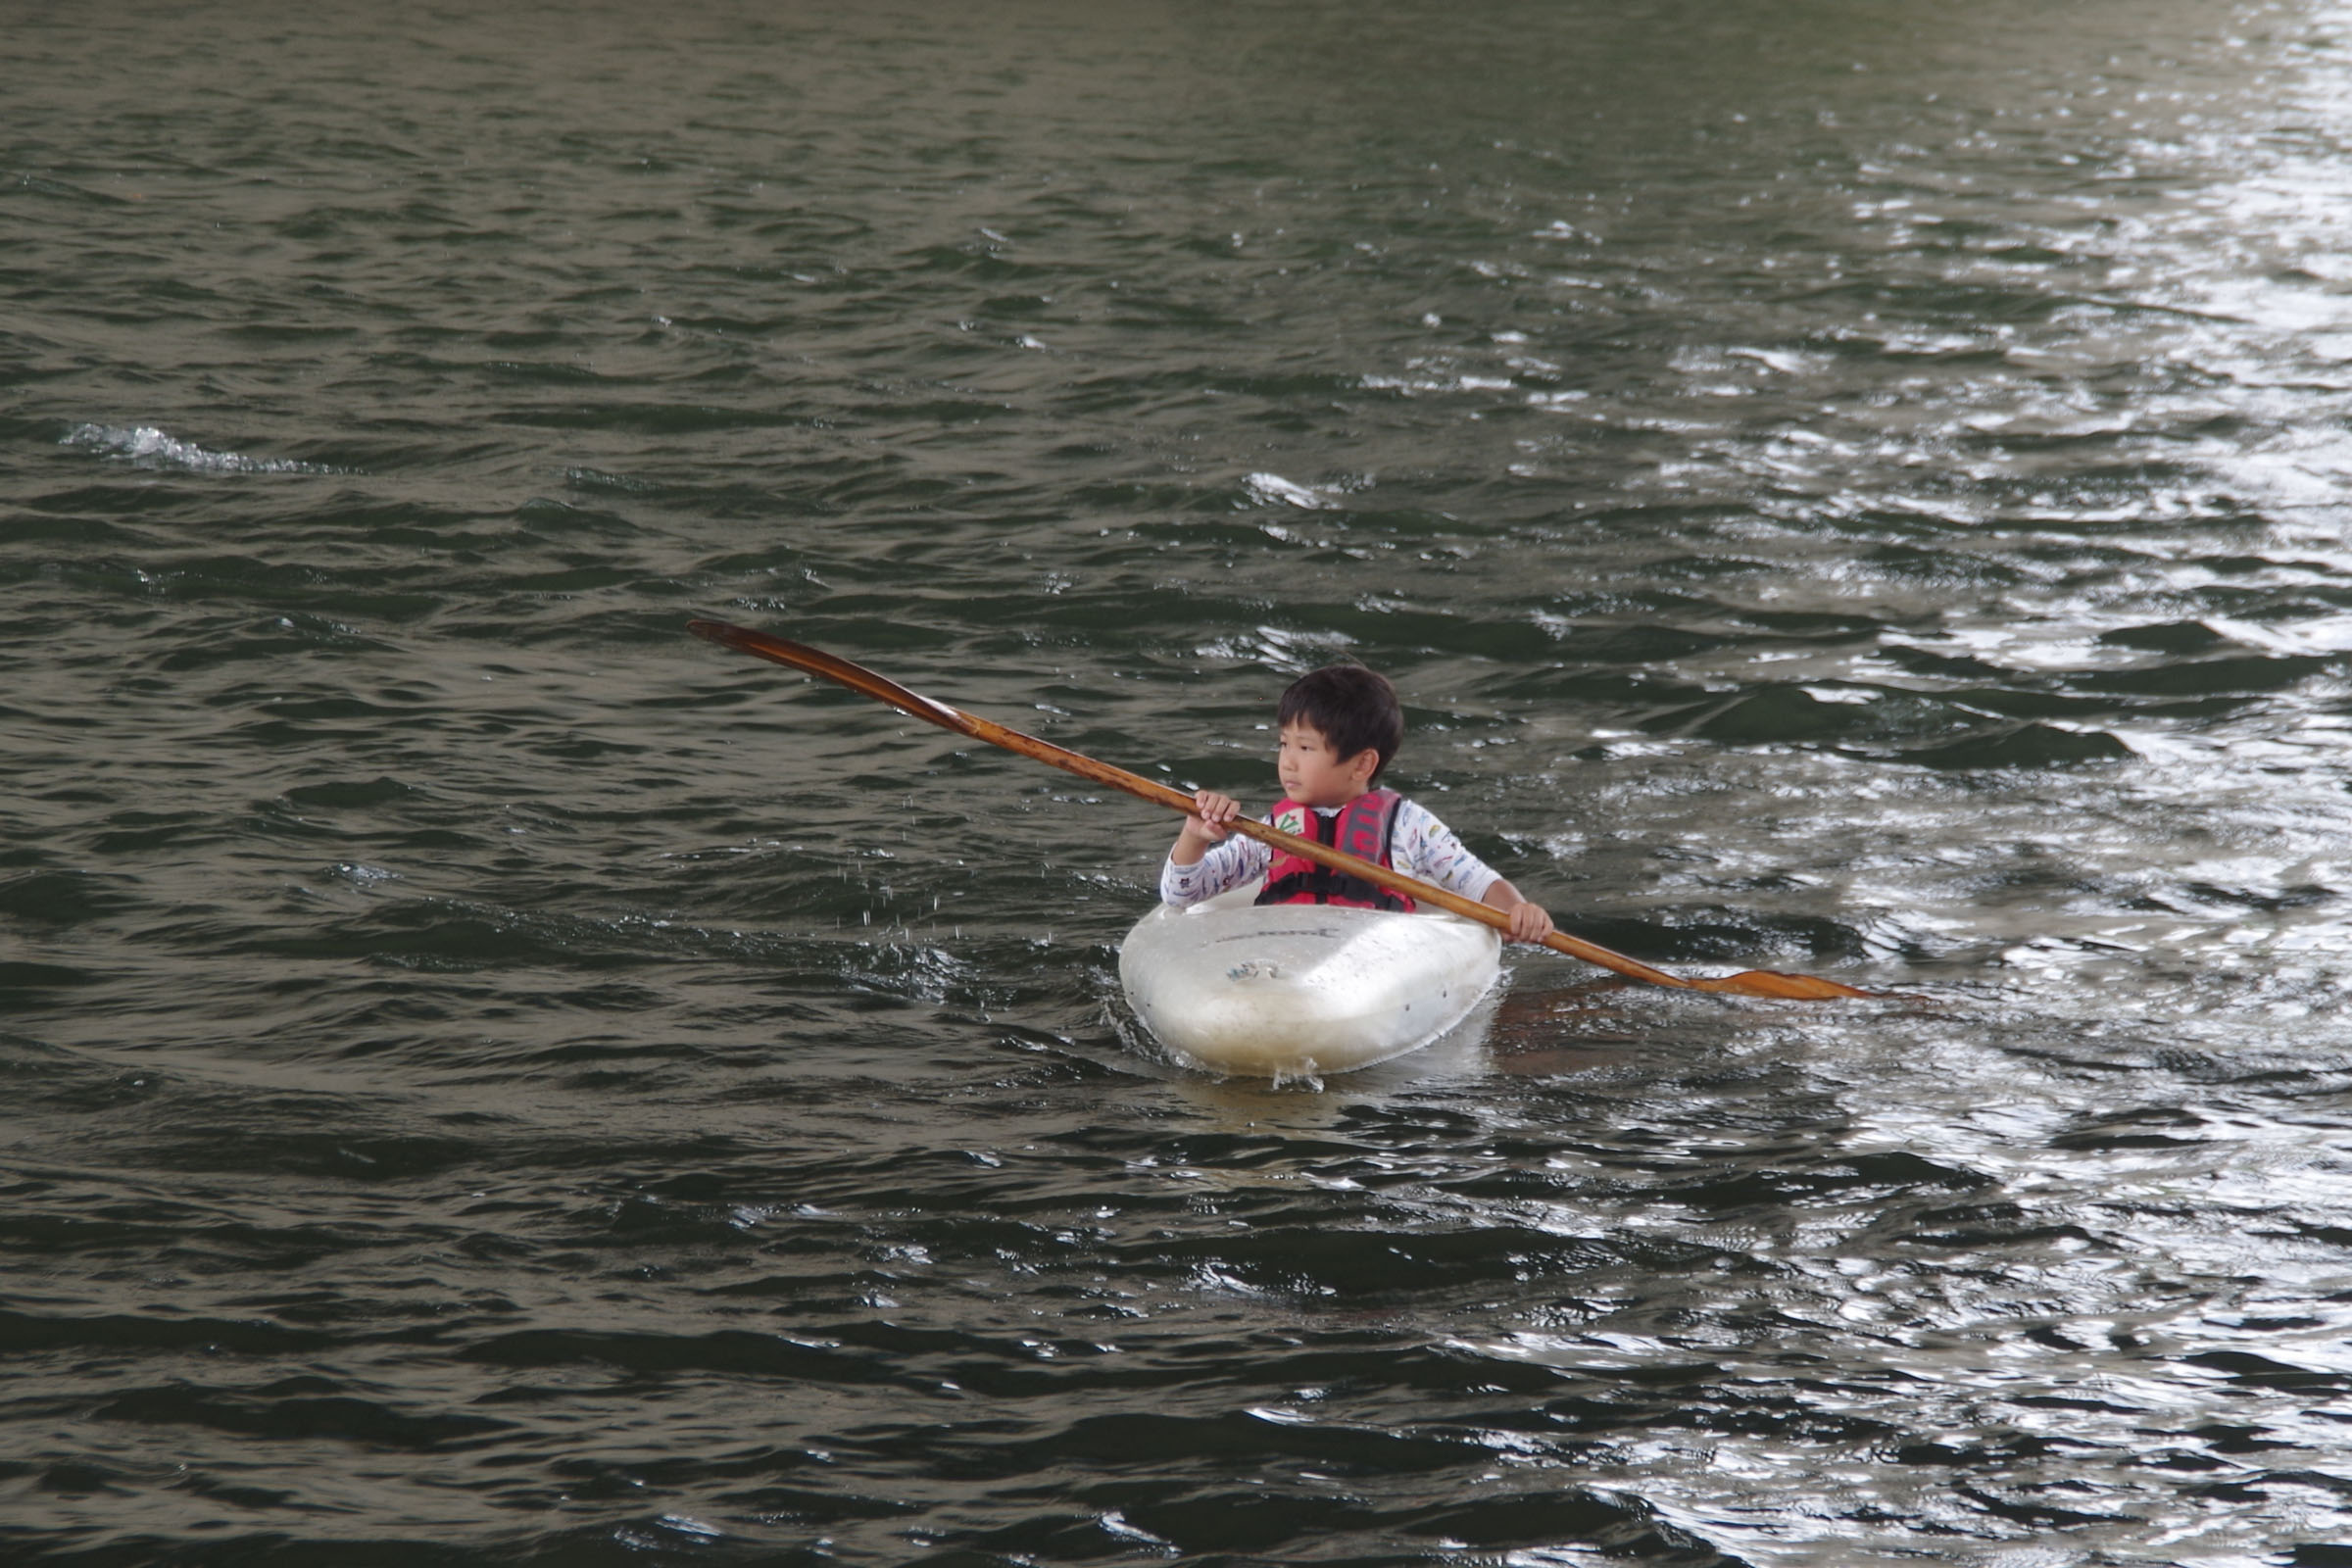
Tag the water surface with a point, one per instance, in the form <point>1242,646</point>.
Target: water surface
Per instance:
<point>1841,487</point>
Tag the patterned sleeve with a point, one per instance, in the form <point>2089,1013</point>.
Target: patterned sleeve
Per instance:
<point>1426,847</point>
<point>1225,866</point>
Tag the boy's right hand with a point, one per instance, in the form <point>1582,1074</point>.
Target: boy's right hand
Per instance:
<point>1210,813</point>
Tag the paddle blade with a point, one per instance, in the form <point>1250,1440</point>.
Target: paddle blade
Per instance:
<point>1788,987</point>
<point>816,662</point>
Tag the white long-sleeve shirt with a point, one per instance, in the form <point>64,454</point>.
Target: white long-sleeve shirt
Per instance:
<point>1420,846</point>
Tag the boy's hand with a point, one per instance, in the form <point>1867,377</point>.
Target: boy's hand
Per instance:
<point>1530,922</point>
<point>1210,813</point>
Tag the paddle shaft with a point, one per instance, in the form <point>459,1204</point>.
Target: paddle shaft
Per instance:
<point>860,679</point>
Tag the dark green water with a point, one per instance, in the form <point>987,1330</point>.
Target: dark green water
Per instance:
<point>1852,487</point>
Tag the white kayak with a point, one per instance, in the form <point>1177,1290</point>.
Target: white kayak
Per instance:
<point>1293,990</point>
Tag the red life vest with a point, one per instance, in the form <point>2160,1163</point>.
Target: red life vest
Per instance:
<point>1361,828</point>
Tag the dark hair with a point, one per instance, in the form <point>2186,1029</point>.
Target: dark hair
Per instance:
<point>1352,708</point>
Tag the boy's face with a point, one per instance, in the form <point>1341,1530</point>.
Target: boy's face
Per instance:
<point>1313,774</point>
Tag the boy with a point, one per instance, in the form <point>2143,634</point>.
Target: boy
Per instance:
<point>1340,724</point>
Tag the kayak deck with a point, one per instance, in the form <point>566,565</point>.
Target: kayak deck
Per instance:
<point>1299,989</point>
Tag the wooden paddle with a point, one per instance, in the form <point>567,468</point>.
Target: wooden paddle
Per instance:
<point>858,678</point>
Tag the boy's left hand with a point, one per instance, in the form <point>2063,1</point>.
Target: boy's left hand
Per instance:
<point>1530,922</point>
